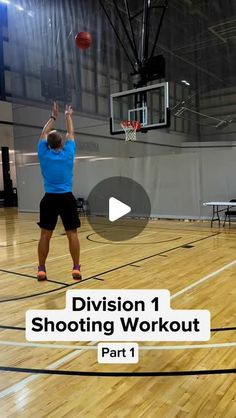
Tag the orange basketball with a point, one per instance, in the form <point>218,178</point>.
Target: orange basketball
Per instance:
<point>83,40</point>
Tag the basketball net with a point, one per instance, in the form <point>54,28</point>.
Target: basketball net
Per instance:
<point>130,128</point>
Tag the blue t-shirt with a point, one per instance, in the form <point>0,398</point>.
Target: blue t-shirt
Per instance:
<point>57,166</point>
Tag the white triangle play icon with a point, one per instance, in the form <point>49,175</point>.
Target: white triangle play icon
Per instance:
<point>117,209</point>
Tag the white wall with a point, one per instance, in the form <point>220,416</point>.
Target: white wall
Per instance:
<point>171,181</point>
<point>177,184</point>
<point>7,140</point>
<point>30,190</point>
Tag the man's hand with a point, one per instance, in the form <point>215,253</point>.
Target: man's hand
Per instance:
<point>55,110</point>
<point>50,123</point>
<point>68,110</point>
<point>69,123</point>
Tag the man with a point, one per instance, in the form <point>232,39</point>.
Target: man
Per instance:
<point>56,161</point>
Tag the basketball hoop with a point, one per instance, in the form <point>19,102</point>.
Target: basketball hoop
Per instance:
<point>130,127</point>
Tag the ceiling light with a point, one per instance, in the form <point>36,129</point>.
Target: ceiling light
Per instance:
<point>102,158</point>
<point>18,7</point>
<point>29,164</point>
<point>83,157</point>
<point>185,82</point>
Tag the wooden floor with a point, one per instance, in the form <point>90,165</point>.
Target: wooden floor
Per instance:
<point>168,254</point>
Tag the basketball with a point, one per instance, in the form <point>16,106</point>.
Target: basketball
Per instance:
<point>83,40</point>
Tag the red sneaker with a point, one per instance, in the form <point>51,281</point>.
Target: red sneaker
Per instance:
<point>41,275</point>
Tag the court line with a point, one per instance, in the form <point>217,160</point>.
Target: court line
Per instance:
<point>223,329</point>
<point>20,385</point>
<point>12,327</point>
<point>30,276</point>
<point>153,255</point>
<point>209,276</point>
<point>134,265</point>
<point>135,243</point>
<point>141,347</point>
<point>23,328</point>
<point>117,374</point>
<point>144,259</point>
<point>59,235</point>
<point>48,291</point>
<point>188,347</point>
<point>60,256</point>
<point>200,229</point>
<point>24,242</point>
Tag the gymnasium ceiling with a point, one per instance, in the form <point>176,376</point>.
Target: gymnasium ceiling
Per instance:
<point>197,39</point>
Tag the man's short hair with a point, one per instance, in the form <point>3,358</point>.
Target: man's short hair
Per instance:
<point>54,139</point>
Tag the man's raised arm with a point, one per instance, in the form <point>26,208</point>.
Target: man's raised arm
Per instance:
<point>69,123</point>
<point>50,123</point>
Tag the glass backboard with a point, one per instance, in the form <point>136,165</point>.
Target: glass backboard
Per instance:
<point>149,105</point>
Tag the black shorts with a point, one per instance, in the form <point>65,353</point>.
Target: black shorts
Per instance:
<point>62,204</point>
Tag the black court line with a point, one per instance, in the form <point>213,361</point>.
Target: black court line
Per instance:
<point>107,271</point>
<point>127,243</point>
<point>32,295</point>
<point>134,265</point>
<point>98,278</point>
<point>31,277</point>
<point>116,374</point>
<point>157,254</point>
<point>23,328</point>
<point>47,291</point>
<point>26,242</point>
<point>223,329</point>
<point>13,328</point>
<point>36,240</point>
<point>198,229</point>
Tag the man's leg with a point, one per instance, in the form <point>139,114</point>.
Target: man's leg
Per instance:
<point>70,220</point>
<point>43,249</point>
<point>47,223</point>
<point>74,247</point>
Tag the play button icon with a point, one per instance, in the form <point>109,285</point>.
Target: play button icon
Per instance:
<point>119,209</point>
